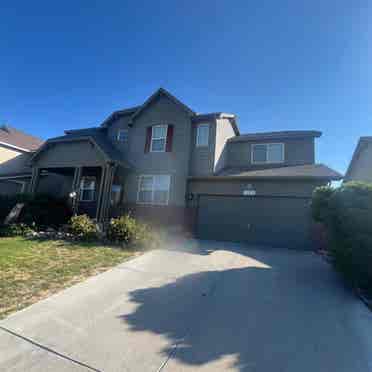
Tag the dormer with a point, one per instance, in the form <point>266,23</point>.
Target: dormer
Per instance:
<point>271,149</point>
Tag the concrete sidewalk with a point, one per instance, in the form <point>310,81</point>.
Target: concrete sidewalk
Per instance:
<point>200,307</point>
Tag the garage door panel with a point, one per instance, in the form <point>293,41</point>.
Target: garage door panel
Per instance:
<point>273,221</point>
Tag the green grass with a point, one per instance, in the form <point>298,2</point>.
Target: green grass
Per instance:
<point>31,270</point>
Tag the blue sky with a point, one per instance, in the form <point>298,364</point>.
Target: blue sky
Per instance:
<point>276,64</point>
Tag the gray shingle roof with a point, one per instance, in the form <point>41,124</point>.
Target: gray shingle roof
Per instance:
<point>276,135</point>
<point>308,171</point>
<point>136,110</point>
<point>118,114</point>
<point>99,137</point>
<point>17,138</point>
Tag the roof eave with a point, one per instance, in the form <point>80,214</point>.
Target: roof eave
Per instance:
<point>118,113</point>
<point>272,178</point>
<point>11,146</point>
<point>279,136</point>
<point>15,176</point>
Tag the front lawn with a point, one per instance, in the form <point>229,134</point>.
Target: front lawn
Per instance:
<point>31,270</point>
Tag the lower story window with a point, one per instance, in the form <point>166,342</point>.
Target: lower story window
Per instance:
<point>87,188</point>
<point>153,189</point>
<point>116,192</point>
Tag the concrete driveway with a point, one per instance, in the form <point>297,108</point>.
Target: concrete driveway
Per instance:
<point>196,307</point>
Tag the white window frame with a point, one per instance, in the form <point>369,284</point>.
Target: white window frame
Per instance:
<point>202,125</point>
<point>118,138</point>
<point>82,189</point>
<point>159,138</point>
<point>267,152</point>
<point>152,189</point>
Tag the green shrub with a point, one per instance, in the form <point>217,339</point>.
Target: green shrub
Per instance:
<point>46,210</point>
<point>128,230</point>
<point>15,229</point>
<point>346,212</point>
<point>320,203</point>
<point>41,209</point>
<point>83,227</point>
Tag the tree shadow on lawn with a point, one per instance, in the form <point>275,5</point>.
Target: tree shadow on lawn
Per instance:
<point>292,315</point>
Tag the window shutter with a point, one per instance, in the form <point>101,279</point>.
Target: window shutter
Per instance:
<point>168,147</point>
<point>148,139</point>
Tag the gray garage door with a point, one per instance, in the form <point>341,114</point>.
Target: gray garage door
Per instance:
<point>259,220</point>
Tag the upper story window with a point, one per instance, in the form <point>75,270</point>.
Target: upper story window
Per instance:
<point>153,189</point>
<point>87,188</point>
<point>122,135</point>
<point>202,135</point>
<point>158,138</point>
<point>265,153</point>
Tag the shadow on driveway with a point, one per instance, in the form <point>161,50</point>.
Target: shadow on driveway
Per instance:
<point>272,311</point>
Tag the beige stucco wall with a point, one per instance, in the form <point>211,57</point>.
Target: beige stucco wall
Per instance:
<point>224,131</point>
<point>13,161</point>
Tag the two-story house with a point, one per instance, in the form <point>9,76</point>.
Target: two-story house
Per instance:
<point>165,162</point>
<point>16,148</point>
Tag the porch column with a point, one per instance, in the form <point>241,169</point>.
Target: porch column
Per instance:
<point>34,180</point>
<point>105,202</point>
<point>100,192</point>
<point>76,188</point>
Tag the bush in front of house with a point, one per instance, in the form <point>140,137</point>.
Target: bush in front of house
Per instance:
<point>127,230</point>
<point>82,227</point>
<point>320,207</point>
<point>40,209</point>
<point>46,210</point>
<point>15,229</point>
<point>346,213</point>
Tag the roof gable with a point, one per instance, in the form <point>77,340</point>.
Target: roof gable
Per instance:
<point>96,136</point>
<point>136,111</point>
<point>160,92</point>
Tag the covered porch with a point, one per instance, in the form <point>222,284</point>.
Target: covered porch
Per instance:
<point>78,170</point>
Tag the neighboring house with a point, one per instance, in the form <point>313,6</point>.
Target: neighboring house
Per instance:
<point>16,149</point>
<point>360,167</point>
<point>165,162</point>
